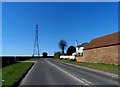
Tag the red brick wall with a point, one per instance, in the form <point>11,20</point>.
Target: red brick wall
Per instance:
<point>107,55</point>
<point>80,59</point>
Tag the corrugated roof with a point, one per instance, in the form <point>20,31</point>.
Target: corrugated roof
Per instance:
<point>107,40</point>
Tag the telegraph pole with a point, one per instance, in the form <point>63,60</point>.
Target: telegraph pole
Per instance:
<point>36,44</point>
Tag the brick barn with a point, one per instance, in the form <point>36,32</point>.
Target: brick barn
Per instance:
<point>104,49</point>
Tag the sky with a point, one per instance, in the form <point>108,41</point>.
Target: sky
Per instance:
<point>71,21</point>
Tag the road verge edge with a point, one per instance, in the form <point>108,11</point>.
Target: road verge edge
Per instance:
<point>95,70</point>
<point>17,83</point>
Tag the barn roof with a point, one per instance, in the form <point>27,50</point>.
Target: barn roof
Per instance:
<point>107,40</point>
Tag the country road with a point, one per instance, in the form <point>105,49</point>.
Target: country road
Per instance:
<point>50,72</point>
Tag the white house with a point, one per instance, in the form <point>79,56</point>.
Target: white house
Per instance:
<point>79,49</point>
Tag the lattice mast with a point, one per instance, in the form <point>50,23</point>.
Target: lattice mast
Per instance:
<point>36,44</point>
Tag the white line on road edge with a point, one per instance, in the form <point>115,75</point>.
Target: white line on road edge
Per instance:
<point>83,67</point>
<point>22,82</point>
<point>86,81</point>
<point>68,73</point>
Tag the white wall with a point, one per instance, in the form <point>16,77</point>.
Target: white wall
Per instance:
<point>66,57</point>
<point>79,50</point>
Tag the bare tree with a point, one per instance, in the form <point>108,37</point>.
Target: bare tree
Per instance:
<point>62,45</point>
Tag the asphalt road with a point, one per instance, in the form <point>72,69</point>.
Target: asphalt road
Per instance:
<point>49,72</point>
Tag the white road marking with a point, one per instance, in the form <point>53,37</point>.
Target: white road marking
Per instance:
<point>85,83</point>
<point>103,72</point>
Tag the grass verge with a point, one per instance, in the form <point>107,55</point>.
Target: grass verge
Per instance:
<point>111,68</point>
<point>11,74</point>
<point>33,59</point>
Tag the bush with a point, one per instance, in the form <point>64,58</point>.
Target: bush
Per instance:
<point>73,60</point>
<point>8,60</point>
<point>57,55</point>
<point>71,50</point>
<point>44,54</point>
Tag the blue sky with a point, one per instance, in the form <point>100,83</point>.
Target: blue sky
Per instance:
<point>57,20</point>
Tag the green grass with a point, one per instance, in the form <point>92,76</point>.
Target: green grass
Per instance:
<point>12,73</point>
<point>102,67</point>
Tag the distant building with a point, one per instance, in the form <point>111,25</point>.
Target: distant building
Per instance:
<point>104,49</point>
<point>79,49</point>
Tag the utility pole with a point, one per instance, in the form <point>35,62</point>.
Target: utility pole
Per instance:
<point>76,43</point>
<point>36,44</point>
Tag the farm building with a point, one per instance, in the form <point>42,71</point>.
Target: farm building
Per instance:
<point>104,49</point>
